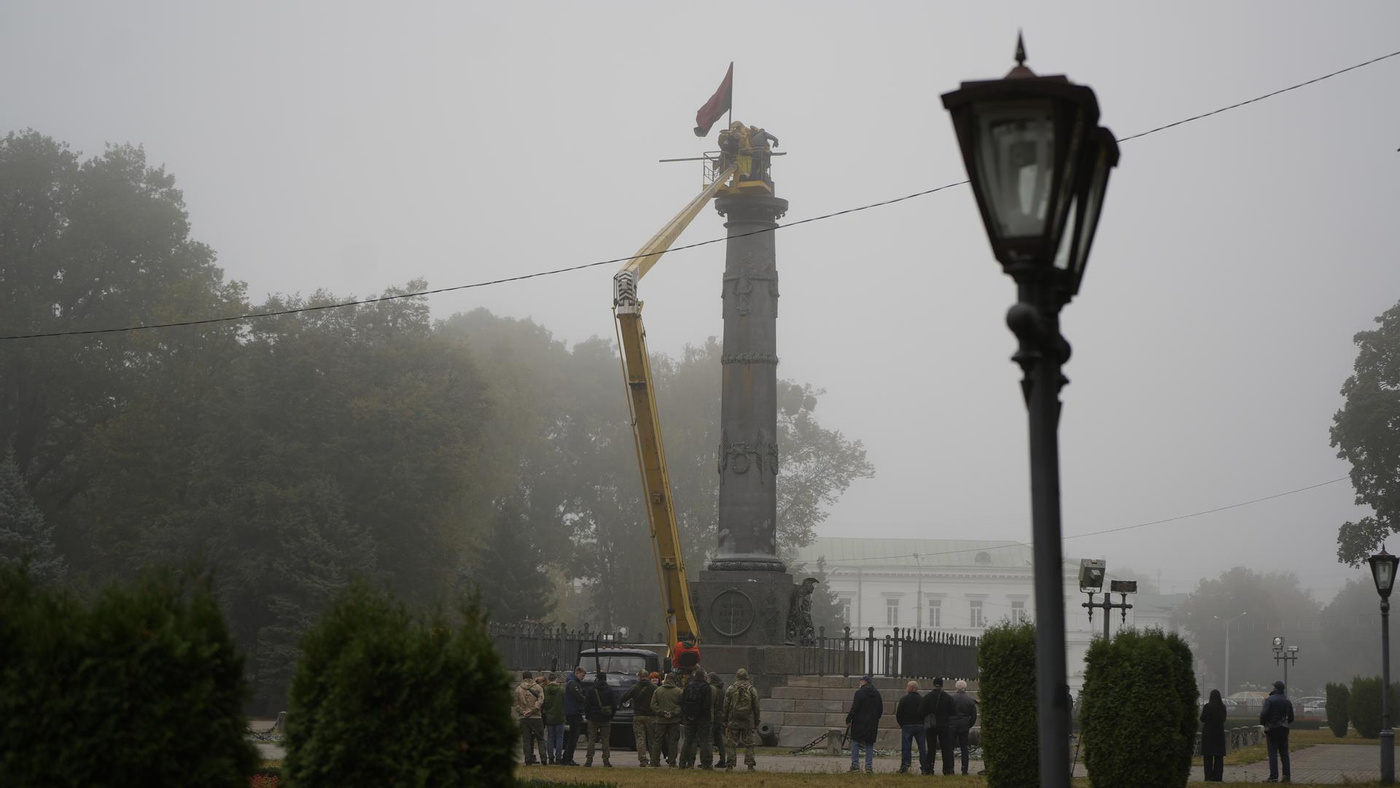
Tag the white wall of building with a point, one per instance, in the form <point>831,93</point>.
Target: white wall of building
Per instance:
<point>962,587</point>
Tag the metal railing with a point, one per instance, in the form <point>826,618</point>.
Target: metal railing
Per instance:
<point>905,653</point>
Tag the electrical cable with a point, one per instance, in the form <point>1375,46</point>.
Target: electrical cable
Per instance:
<point>1095,533</point>
<point>568,269</point>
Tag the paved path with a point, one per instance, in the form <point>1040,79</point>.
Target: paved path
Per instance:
<point>1323,764</point>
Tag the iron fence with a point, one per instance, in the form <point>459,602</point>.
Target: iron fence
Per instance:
<point>905,653</point>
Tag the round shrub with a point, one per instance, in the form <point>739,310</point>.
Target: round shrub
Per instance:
<point>384,697</point>
<point>1006,683</point>
<point>1338,712</point>
<point>141,687</point>
<point>1135,710</point>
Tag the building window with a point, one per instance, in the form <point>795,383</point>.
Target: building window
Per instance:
<point>1018,611</point>
<point>935,612</point>
<point>978,620</point>
<point>982,558</point>
<point>846,611</point>
<point>892,612</point>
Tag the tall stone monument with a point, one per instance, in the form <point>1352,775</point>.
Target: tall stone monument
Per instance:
<point>742,597</point>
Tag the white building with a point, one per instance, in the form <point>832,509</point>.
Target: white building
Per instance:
<point>962,586</point>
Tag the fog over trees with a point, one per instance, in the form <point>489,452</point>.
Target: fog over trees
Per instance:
<point>291,454</point>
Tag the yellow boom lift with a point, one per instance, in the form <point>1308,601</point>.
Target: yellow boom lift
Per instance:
<point>746,165</point>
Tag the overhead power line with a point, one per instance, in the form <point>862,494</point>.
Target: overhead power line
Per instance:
<point>1096,533</point>
<point>617,260</point>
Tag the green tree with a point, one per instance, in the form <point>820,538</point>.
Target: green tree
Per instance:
<point>1007,693</point>
<point>1349,625</point>
<point>25,539</point>
<point>1124,676</point>
<point>509,573</point>
<point>1366,433</point>
<point>89,245</point>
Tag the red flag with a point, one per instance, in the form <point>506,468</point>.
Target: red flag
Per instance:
<point>718,104</point>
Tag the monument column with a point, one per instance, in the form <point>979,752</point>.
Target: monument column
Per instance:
<point>748,451</point>
<point>743,597</point>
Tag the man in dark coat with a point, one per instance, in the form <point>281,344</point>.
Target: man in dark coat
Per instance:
<point>573,714</point>
<point>909,713</point>
<point>938,715</point>
<point>963,718</point>
<point>1213,737</point>
<point>864,718</point>
<point>1276,716</point>
<point>640,696</point>
<point>598,708</point>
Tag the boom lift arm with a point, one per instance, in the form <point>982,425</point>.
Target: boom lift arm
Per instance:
<point>681,622</point>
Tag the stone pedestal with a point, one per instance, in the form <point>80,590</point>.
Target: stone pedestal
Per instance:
<point>738,608</point>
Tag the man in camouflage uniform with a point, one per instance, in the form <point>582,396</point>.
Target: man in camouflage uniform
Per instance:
<point>528,707</point>
<point>740,719</point>
<point>666,711</point>
<point>642,726</point>
<point>717,718</point>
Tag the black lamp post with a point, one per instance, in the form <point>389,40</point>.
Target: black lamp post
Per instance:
<point>1383,572</point>
<point>1039,166</point>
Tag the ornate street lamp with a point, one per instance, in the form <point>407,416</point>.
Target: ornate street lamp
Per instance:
<point>1039,166</point>
<point>1383,572</point>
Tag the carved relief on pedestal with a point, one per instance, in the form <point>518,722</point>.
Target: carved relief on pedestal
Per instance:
<point>731,613</point>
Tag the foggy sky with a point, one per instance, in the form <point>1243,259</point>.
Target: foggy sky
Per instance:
<point>353,147</point>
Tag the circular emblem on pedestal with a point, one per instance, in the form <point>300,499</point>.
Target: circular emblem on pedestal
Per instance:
<point>731,613</point>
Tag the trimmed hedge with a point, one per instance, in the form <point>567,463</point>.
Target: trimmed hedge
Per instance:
<point>142,686</point>
<point>1338,711</point>
<point>385,697</point>
<point>1364,705</point>
<point>1006,684</point>
<point>1139,710</point>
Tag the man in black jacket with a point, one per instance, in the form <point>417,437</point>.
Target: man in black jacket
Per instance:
<point>909,713</point>
<point>864,718</point>
<point>1276,716</point>
<point>598,708</point>
<point>938,713</point>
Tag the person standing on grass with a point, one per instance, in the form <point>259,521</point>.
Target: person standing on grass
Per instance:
<point>1213,737</point>
<point>717,718</point>
<point>666,710</point>
<point>938,717</point>
<point>963,718</point>
<point>554,720</point>
<point>741,719</point>
<point>598,708</point>
<point>529,702</point>
<point>910,716</point>
<point>640,695</point>
<point>864,718</point>
<point>1276,716</point>
<point>573,713</point>
<point>697,709</point>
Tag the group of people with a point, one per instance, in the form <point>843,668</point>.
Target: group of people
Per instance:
<point>936,720</point>
<point>1275,715</point>
<point>688,713</point>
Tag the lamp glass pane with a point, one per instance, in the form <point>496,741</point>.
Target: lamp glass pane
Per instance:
<point>1016,165</point>
<point>1066,250</point>
<point>1385,575</point>
<point>1094,203</point>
